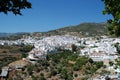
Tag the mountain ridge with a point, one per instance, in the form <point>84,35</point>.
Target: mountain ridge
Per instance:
<point>83,29</point>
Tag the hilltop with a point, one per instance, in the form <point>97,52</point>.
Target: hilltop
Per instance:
<point>83,29</point>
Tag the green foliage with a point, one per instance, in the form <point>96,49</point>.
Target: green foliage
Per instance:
<point>82,61</point>
<point>30,69</point>
<point>5,47</point>
<point>91,61</point>
<point>79,63</point>
<point>42,78</point>
<point>73,56</point>
<point>24,55</point>
<point>26,48</point>
<point>64,74</point>
<point>53,72</point>
<point>112,7</point>
<point>62,65</point>
<point>118,62</point>
<point>85,78</point>
<point>117,47</point>
<point>105,72</point>
<point>76,67</point>
<point>14,6</point>
<point>99,64</point>
<point>111,63</point>
<point>5,61</point>
<point>116,44</point>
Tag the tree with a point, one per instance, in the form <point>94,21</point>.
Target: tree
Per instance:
<point>14,6</point>
<point>111,63</point>
<point>53,72</point>
<point>42,78</point>
<point>26,48</point>
<point>107,78</point>
<point>91,61</point>
<point>99,64</point>
<point>74,48</point>
<point>64,74</point>
<point>112,7</point>
<point>117,45</point>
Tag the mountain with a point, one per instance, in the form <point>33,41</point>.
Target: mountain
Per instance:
<point>5,34</point>
<point>12,36</point>
<point>83,29</point>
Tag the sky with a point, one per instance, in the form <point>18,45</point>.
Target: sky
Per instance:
<point>48,15</point>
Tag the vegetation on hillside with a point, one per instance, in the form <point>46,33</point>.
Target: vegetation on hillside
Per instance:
<point>12,53</point>
<point>64,65</point>
<point>84,29</point>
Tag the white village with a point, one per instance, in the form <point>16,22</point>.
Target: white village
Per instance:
<point>98,49</point>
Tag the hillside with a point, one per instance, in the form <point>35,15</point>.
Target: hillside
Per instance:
<point>84,29</point>
<point>12,36</point>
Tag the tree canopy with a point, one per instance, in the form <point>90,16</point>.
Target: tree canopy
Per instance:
<point>14,6</point>
<point>112,7</point>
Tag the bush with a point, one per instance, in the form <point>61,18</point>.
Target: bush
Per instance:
<point>26,48</point>
<point>53,72</point>
<point>64,74</point>
<point>111,63</point>
<point>42,78</point>
<point>76,68</point>
<point>99,64</point>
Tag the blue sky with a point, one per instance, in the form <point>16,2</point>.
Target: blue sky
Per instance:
<point>48,15</point>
